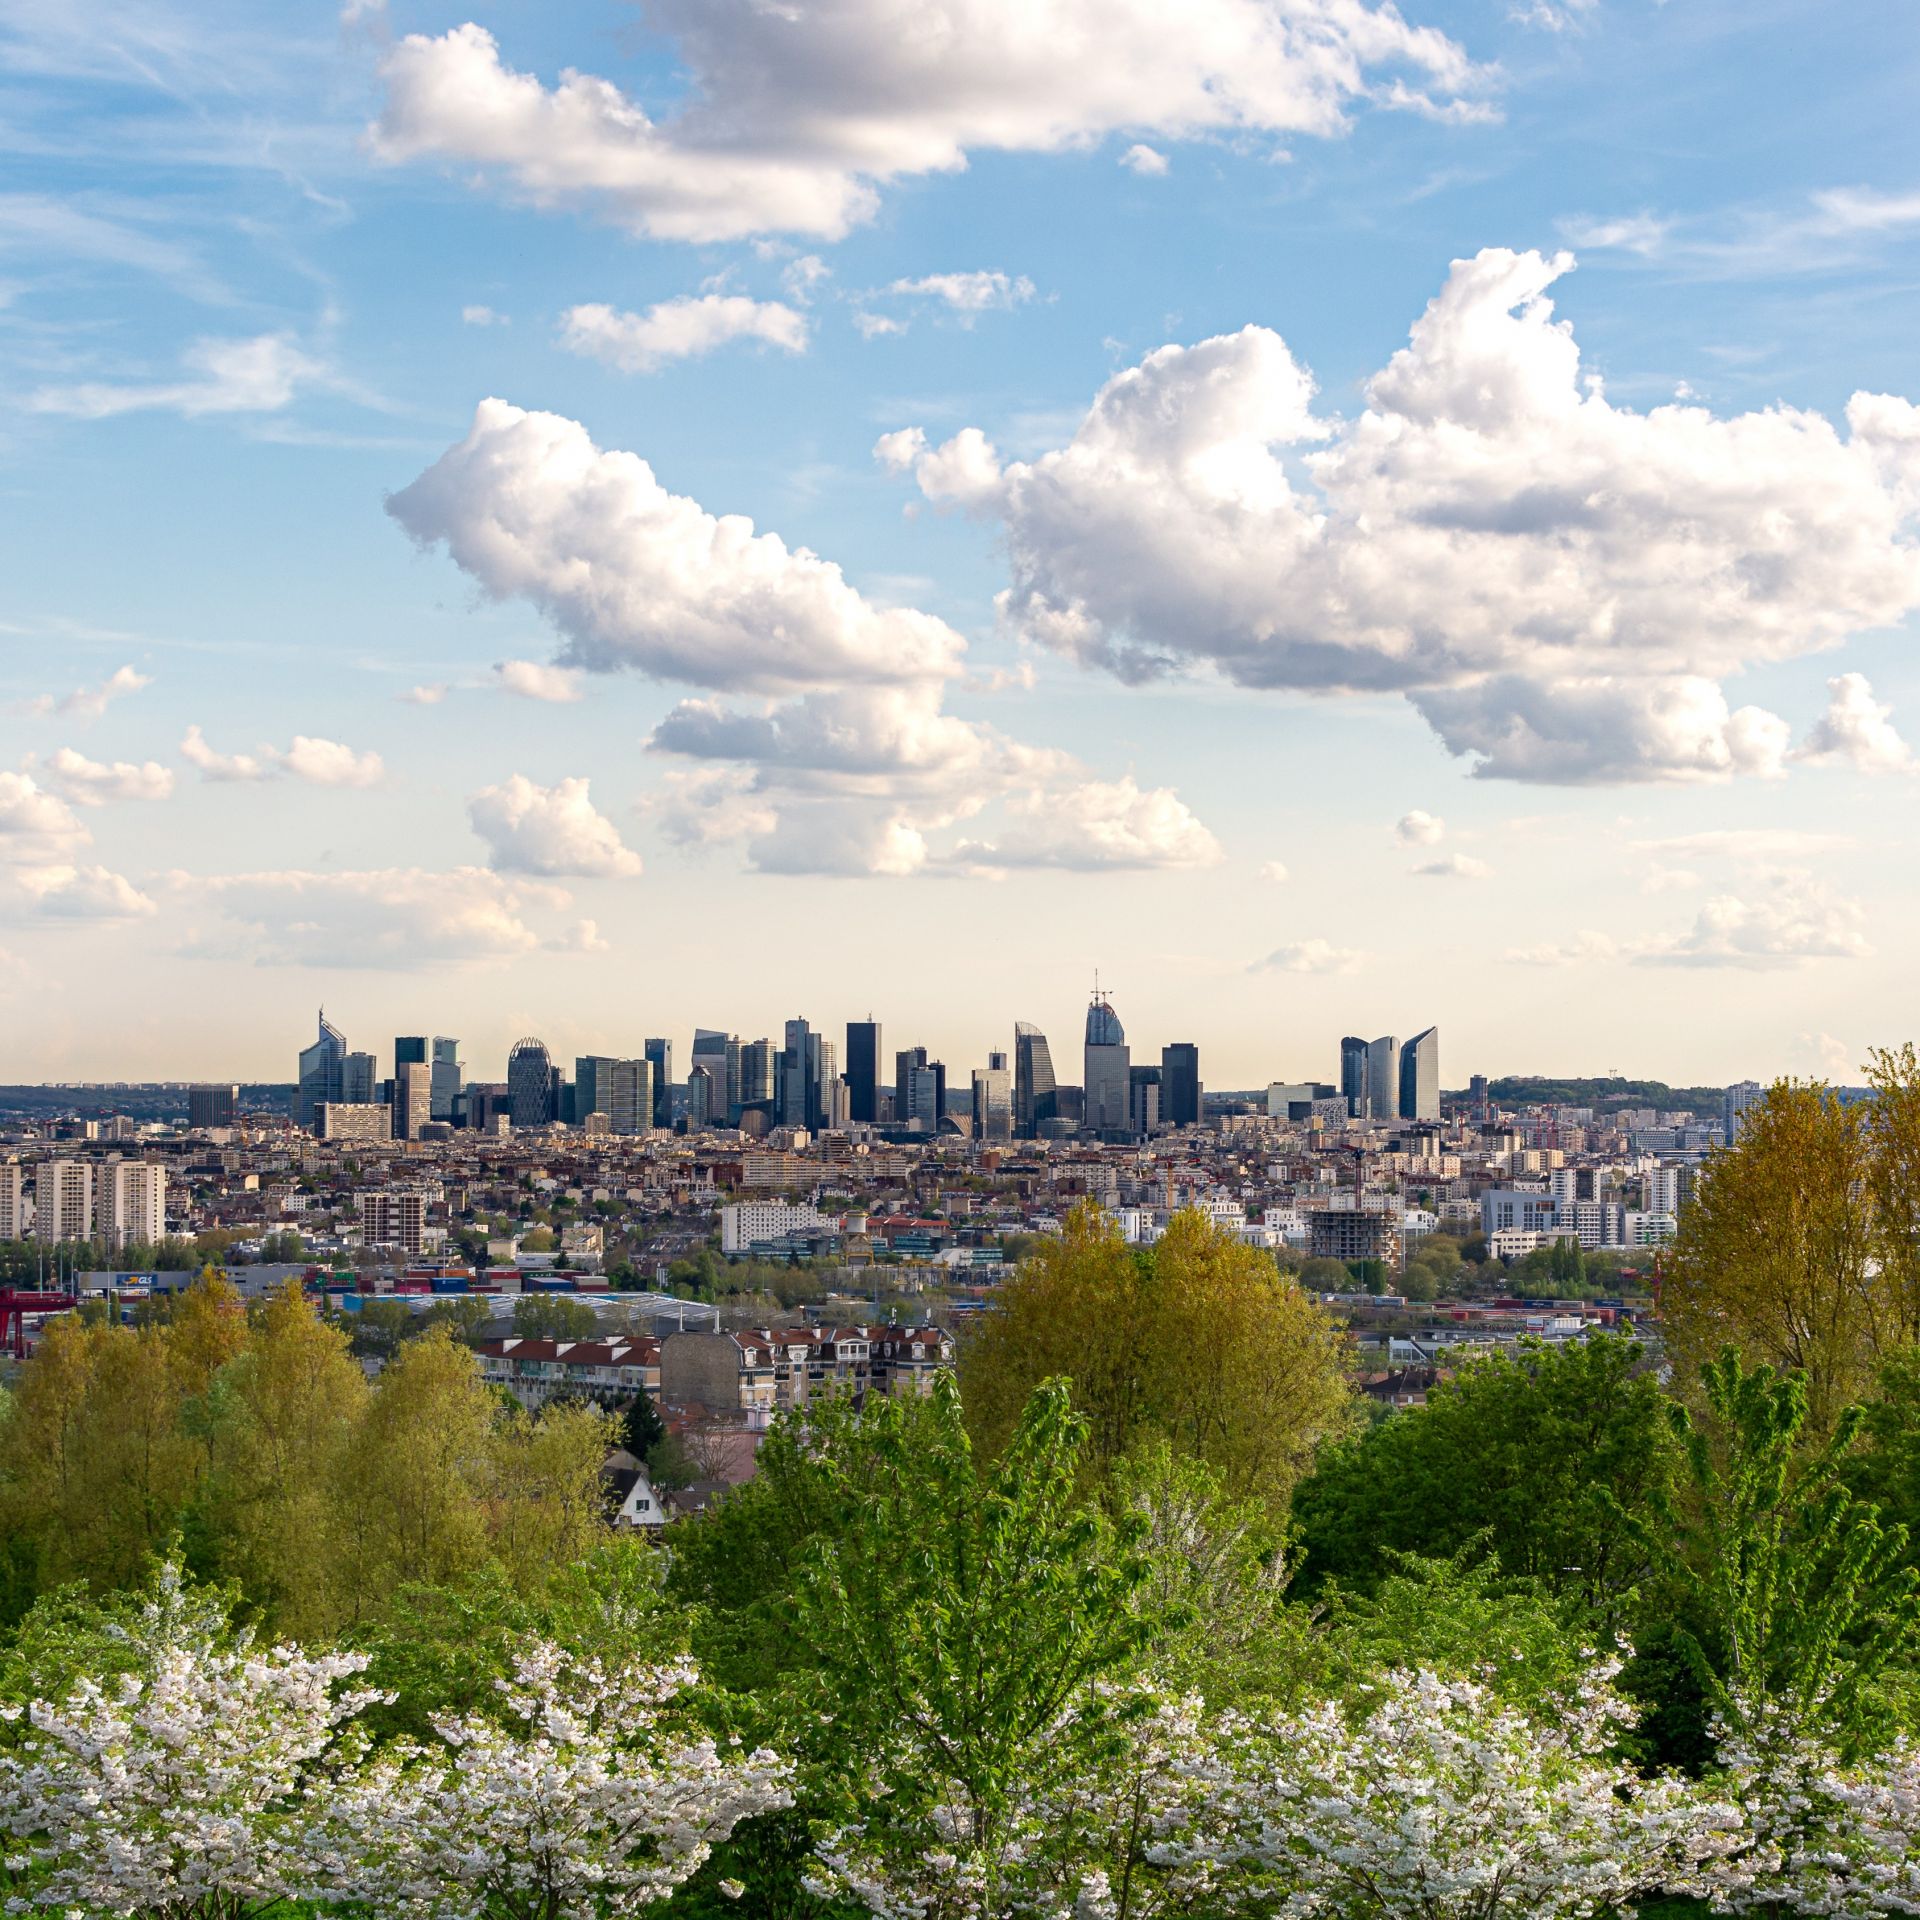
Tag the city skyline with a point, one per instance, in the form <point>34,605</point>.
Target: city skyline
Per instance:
<point>1426,533</point>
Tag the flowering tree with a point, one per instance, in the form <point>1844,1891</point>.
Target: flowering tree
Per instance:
<point>181,1787</point>
<point>1818,1837</point>
<point>573,1804</point>
<point>1444,1804</point>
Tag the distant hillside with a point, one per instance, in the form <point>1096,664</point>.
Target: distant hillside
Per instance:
<point>1541,1090</point>
<point>136,1102</point>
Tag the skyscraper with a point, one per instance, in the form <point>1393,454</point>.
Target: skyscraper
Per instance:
<point>1144,1092</point>
<point>530,1084</point>
<point>1383,1077</point>
<point>1108,1064</point>
<point>320,1072</point>
<point>631,1094</point>
<point>409,1048</point>
<point>1353,1075</point>
<point>447,1075</point>
<point>700,1096</point>
<point>863,1070</point>
<point>718,1054</point>
<point>412,1098</point>
<point>1734,1104</point>
<point>358,1074</point>
<point>592,1085</point>
<point>1034,1098</point>
<point>757,1059</point>
<point>926,1095</point>
<point>993,1099</point>
<point>904,1062</point>
<point>660,1052</point>
<point>1420,1076</point>
<point>1180,1091</point>
<point>797,1066</point>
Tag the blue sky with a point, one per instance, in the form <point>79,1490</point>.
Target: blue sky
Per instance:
<point>1561,665</point>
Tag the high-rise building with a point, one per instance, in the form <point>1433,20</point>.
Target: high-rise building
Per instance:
<point>410,1049</point>
<point>447,1076</point>
<point>993,1099</point>
<point>320,1072</point>
<point>359,1076</point>
<point>1420,1076</point>
<point>13,1200</point>
<point>718,1053</point>
<point>62,1200</point>
<point>757,1075</point>
<point>1108,1064</point>
<point>660,1052</point>
<point>1353,1075</point>
<point>1144,1090</point>
<point>412,1098</point>
<point>1478,1097</point>
<point>530,1084</point>
<point>592,1085</point>
<point>1035,1097</point>
<point>1180,1090</point>
<point>904,1063</point>
<point>212,1106</point>
<point>1383,1077</point>
<point>863,1070</point>
<point>1734,1105</point>
<point>926,1095</point>
<point>632,1095</point>
<point>700,1098</point>
<point>130,1202</point>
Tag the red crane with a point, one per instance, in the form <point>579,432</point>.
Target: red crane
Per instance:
<point>16,1303</point>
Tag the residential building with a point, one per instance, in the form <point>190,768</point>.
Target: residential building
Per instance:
<point>1348,1233</point>
<point>212,1106</point>
<point>129,1202</point>
<point>1034,1089</point>
<point>530,1084</point>
<point>320,1072</point>
<point>608,1372</point>
<point>1420,1076</point>
<point>1180,1091</point>
<point>746,1221</point>
<point>1504,1209</point>
<point>1735,1104</point>
<point>62,1200</point>
<point>394,1216</point>
<point>1108,1065</point>
<point>361,1121</point>
<point>13,1200</point>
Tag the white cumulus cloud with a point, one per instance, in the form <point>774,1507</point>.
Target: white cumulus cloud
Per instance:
<point>1419,828</point>
<point>679,329</point>
<point>556,831</point>
<point>35,825</point>
<point>89,703</point>
<point>221,766</point>
<point>258,375</point>
<point>91,783</point>
<point>1098,826</point>
<point>319,762</point>
<point>968,293</point>
<point>1793,919</point>
<point>638,577</point>
<point>66,892</point>
<point>1309,956</point>
<point>1144,159</point>
<point>1856,730</point>
<point>1491,537</point>
<point>795,116</point>
<point>534,680</point>
<point>1453,866</point>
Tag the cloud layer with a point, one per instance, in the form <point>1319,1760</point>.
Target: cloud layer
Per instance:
<point>794,116</point>
<point>1557,584</point>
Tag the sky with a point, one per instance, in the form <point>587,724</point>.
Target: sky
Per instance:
<point>587,519</point>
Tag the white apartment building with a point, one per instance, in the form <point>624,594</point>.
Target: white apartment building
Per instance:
<point>13,1200</point>
<point>749,1220</point>
<point>395,1217</point>
<point>130,1202</point>
<point>62,1200</point>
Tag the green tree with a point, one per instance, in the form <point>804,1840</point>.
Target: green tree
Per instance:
<point>1198,1341</point>
<point>1535,1455</point>
<point>1776,1253</point>
<point>1789,1590</point>
<point>554,1316</point>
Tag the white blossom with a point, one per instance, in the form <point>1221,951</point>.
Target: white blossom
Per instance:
<point>576,1805</point>
<point>182,1787</point>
